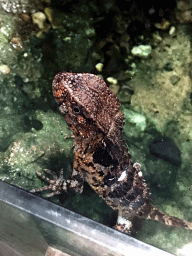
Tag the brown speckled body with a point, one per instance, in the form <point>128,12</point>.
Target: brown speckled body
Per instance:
<point>92,112</point>
<point>101,157</point>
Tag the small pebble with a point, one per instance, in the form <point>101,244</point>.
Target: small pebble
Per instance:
<point>163,25</point>
<point>168,66</point>
<point>124,96</point>
<point>111,80</point>
<point>52,16</point>
<point>99,67</point>
<point>174,79</point>
<point>142,51</point>
<point>4,69</point>
<point>157,38</point>
<point>90,32</point>
<point>172,30</point>
<point>96,56</point>
<point>16,43</point>
<point>67,38</point>
<point>39,18</point>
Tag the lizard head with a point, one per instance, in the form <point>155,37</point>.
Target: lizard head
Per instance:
<point>85,101</point>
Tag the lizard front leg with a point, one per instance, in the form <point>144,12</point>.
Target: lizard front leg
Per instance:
<point>59,184</point>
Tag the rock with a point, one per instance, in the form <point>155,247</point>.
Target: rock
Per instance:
<point>16,42</point>
<point>168,66</point>
<point>172,30</point>
<point>52,16</point>
<point>125,94</point>
<point>99,67</point>
<point>166,149</point>
<point>174,79</point>
<point>112,80</point>
<point>141,51</point>
<point>165,24</point>
<point>39,18</point>
<point>4,69</point>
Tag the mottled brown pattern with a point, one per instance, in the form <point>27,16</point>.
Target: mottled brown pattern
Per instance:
<point>101,156</point>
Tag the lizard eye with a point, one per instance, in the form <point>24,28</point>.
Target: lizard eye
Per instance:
<point>76,109</point>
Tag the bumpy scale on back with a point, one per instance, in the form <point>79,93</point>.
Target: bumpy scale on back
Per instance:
<point>101,157</point>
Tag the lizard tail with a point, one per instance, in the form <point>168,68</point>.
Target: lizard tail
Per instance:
<point>157,215</point>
